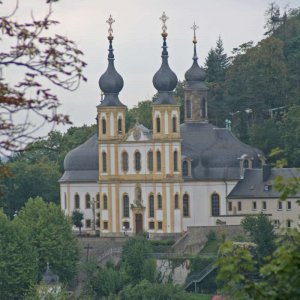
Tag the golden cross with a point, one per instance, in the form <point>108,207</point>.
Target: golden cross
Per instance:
<point>110,21</point>
<point>194,27</point>
<point>164,18</point>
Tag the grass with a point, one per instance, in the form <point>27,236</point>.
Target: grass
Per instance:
<point>211,247</point>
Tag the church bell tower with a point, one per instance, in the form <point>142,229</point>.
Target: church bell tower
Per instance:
<point>195,92</point>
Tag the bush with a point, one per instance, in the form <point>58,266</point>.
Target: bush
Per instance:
<point>211,236</point>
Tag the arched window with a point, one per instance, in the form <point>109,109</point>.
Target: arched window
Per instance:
<point>125,161</point>
<point>125,206</point>
<point>246,164</point>
<point>150,161</point>
<point>137,161</point>
<point>174,124</point>
<point>215,205</point>
<point>158,124</point>
<point>105,204</point>
<point>120,125</point>
<point>203,108</point>
<point>188,109</point>
<point>159,201</point>
<point>87,201</point>
<point>175,161</point>
<point>176,201</point>
<point>76,201</point>
<point>151,206</point>
<point>158,161</point>
<point>104,163</point>
<point>103,126</point>
<point>186,205</point>
<point>185,168</point>
<point>98,200</point>
<point>65,201</point>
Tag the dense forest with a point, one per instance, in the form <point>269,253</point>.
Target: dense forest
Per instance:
<point>257,88</point>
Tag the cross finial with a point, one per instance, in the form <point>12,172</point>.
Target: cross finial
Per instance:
<point>194,27</point>
<point>164,18</point>
<point>110,21</point>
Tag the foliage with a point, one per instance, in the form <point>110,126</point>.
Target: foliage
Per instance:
<point>261,232</point>
<point>39,58</point>
<point>77,217</point>
<point>211,236</point>
<point>18,259</point>
<point>51,236</point>
<point>147,291</point>
<point>135,258</point>
<point>237,269</point>
<point>108,280</point>
<point>41,291</point>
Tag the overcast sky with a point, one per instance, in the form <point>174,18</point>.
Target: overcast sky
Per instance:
<point>138,41</point>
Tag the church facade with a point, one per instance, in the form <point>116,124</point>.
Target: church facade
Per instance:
<point>159,180</point>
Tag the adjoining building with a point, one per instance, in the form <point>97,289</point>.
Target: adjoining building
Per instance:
<point>159,180</point>
<point>256,193</point>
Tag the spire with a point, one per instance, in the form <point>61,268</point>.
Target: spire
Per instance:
<point>195,76</point>
<point>111,82</point>
<point>195,27</point>
<point>165,80</point>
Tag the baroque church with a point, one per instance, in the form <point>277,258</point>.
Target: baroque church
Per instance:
<point>159,180</point>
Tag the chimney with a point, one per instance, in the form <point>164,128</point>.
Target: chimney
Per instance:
<point>266,172</point>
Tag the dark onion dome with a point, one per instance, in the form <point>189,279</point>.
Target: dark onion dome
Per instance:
<point>111,82</point>
<point>82,163</point>
<point>215,152</point>
<point>165,80</point>
<point>195,75</point>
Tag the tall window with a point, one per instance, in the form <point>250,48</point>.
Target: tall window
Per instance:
<point>120,125</point>
<point>158,161</point>
<point>186,205</point>
<point>98,200</point>
<point>158,124</point>
<point>215,205</point>
<point>151,206</point>
<point>65,201</point>
<point>125,206</point>
<point>188,109</point>
<point>176,201</point>
<point>104,163</point>
<point>76,201</point>
<point>159,201</point>
<point>87,201</point>
<point>150,161</point>
<point>246,164</point>
<point>175,161</point>
<point>185,168</point>
<point>137,161</point>
<point>125,161</point>
<point>104,201</point>
<point>174,124</point>
<point>103,126</point>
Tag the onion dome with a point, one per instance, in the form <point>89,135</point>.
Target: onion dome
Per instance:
<point>111,82</point>
<point>165,80</point>
<point>195,75</point>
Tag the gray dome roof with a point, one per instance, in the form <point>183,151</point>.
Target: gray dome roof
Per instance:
<point>215,152</point>
<point>84,157</point>
<point>111,82</point>
<point>195,73</point>
<point>165,80</point>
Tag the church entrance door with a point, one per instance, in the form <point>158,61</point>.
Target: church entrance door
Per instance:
<point>138,223</point>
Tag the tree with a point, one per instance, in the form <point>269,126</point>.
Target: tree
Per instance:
<point>51,236</point>
<point>216,65</point>
<point>135,258</point>
<point>141,113</point>
<point>261,232</point>
<point>18,259</point>
<point>40,60</point>
<point>77,217</point>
